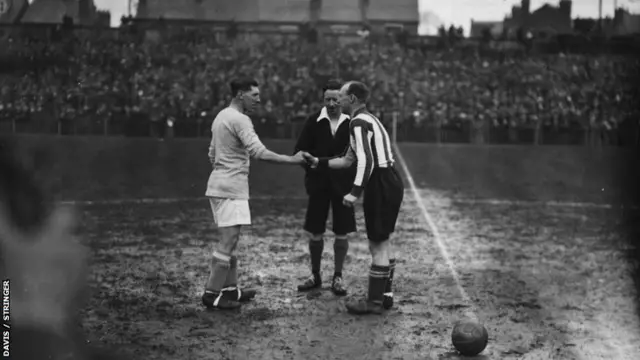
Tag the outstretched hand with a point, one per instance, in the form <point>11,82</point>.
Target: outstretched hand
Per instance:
<point>311,160</point>
<point>298,158</point>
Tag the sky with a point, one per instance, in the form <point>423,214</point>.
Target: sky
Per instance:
<point>456,12</point>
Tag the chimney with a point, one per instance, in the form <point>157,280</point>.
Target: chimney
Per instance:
<point>315,7</point>
<point>84,12</point>
<point>565,8</point>
<point>141,11</point>
<point>526,7</point>
<point>364,11</point>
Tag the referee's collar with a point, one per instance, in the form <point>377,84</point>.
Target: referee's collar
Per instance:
<point>325,115</point>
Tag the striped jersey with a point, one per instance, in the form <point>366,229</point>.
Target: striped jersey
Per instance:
<point>371,146</point>
<point>233,143</point>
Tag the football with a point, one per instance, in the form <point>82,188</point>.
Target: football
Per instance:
<point>470,338</point>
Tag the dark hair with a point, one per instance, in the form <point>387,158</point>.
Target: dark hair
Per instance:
<point>242,84</point>
<point>359,90</point>
<point>332,84</point>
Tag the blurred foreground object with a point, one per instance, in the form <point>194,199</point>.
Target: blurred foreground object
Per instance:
<point>45,265</point>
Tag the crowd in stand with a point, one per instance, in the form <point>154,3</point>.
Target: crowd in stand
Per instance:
<point>184,77</point>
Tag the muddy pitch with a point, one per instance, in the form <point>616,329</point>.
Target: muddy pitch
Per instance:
<point>541,279</point>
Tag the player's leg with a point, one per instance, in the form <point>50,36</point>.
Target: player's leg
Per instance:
<point>314,225</point>
<point>229,220</point>
<point>378,277</point>
<point>344,223</point>
<point>378,246</point>
<point>394,194</point>
<point>231,288</point>
<point>219,270</point>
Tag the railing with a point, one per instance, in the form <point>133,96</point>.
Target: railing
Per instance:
<point>140,125</point>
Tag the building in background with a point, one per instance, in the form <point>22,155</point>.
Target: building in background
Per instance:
<point>80,12</point>
<point>326,15</point>
<point>392,15</point>
<point>546,21</point>
<point>479,28</point>
<point>625,23</point>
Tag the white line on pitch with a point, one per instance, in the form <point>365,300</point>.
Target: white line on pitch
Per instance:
<point>437,237</point>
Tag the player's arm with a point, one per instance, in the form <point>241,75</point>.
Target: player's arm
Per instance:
<point>257,150</point>
<point>362,133</point>
<point>338,162</point>
<point>212,152</point>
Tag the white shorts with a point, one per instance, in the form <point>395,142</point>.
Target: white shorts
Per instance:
<point>230,212</point>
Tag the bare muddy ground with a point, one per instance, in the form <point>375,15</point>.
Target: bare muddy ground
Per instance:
<point>542,279</point>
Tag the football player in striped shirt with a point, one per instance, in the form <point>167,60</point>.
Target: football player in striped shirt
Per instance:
<point>383,189</point>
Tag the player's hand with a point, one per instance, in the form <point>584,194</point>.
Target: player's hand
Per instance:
<point>298,158</point>
<point>349,200</point>
<point>311,160</point>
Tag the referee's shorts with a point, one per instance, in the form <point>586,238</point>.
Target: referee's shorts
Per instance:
<point>382,201</point>
<point>344,219</point>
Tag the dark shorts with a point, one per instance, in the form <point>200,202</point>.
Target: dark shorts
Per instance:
<point>382,201</point>
<point>344,219</point>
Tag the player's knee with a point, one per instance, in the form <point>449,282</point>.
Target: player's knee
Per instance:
<point>315,237</point>
<point>378,247</point>
<point>229,237</point>
<point>341,237</point>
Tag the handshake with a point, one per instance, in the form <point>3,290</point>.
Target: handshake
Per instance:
<point>303,157</point>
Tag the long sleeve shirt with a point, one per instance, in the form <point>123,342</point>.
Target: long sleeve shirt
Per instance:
<point>233,143</point>
<point>371,146</point>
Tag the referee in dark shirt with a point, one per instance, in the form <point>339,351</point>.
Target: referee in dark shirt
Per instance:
<point>326,134</point>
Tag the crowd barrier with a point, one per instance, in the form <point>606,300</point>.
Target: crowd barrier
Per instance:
<point>627,134</point>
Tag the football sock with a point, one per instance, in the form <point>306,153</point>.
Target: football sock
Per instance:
<point>316,247</point>
<point>232,275</point>
<point>378,276</point>
<point>392,267</point>
<point>340,249</point>
<point>219,271</point>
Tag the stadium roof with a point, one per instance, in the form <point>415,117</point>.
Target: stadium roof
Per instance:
<point>50,11</point>
<point>393,10</point>
<point>169,9</point>
<point>227,10</point>
<point>341,10</point>
<point>285,10</point>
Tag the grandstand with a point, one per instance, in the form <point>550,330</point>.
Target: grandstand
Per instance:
<point>238,10</point>
<point>393,14</point>
<point>50,11</point>
<point>396,11</point>
<point>83,12</point>
<point>341,11</point>
<point>284,10</point>
<point>177,9</point>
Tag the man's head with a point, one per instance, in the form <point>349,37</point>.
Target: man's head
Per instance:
<point>331,93</point>
<point>245,93</point>
<point>353,95</point>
